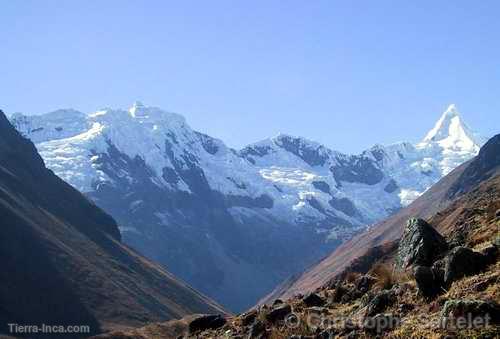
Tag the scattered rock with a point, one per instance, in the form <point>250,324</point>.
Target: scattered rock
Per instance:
<point>490,254</point>
<point>404,308</point>
<point>206,322</point>
<point>461,262</point>
<point>312,299</point>
<point>257,330</point>
<point>248,318</point>
<point>277,302</point>
<point>338,293</point>
<point>278,313</point>
<point>327,334</point>
<point>366,298</point>
<point>364,283</point>
<point>420,244</point>
<point>471,308</point>
<point>379,303</point>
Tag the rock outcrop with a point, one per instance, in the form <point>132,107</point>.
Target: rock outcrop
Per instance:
<point>420,244</point>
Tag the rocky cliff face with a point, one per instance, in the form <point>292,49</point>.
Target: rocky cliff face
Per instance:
<point>62,259</point>
<point>233,223</point>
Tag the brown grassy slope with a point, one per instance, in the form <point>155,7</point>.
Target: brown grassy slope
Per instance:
<point>471,219</point>
<point>62,259</point>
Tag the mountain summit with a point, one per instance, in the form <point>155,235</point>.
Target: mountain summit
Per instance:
<point>451,132</point>
<point>235,223</point>
<point>451,141</point>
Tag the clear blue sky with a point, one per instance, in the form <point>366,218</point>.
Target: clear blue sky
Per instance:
<point>345,73</point>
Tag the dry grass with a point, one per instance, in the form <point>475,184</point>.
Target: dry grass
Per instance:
<point>387,276</point>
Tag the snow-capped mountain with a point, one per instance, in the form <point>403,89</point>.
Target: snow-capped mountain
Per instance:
<point>235,223</point>
<point>451,141</point>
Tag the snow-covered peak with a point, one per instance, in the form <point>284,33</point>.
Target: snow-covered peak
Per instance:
<point>59,124</point>
<point>451,132</point>
<point>451,142</point>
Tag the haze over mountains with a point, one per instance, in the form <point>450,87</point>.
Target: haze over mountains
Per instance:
<point>235,223</point>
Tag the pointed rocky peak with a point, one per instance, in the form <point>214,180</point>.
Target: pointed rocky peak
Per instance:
<point>451,132</point>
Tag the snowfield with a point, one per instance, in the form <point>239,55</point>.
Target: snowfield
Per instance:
<point>297,174</point>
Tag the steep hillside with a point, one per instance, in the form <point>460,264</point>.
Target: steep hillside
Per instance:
<point>62,259</point>
<point>223,220</point>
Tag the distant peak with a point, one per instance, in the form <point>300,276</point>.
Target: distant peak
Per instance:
<point>450,131</point>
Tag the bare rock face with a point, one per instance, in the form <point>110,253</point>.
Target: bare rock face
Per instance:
<point>420,245</point>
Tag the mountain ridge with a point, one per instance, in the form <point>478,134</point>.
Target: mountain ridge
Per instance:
<point>172,188</point>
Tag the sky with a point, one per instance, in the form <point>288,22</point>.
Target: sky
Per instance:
<point>348,74</point>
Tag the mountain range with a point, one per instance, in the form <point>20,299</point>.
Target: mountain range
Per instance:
<point>236,223</point>
<point>362,291</point>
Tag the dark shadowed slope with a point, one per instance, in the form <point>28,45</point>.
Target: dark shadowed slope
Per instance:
<point>379,238</point>
<point>62,259</point>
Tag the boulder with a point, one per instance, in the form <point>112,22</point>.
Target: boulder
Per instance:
<point>380,302</point>
<point>364,283</point>
<point>420,244</point>
<point>206,322</point>
<point>277,302</point>
<point>490,253</point>
<point>248,318</point>
<point>426,282</point>
<point>257,330</point>
<point>461,262</point>
<point>471,309</point>
<point>278,313</point>
<point>312,299</point>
